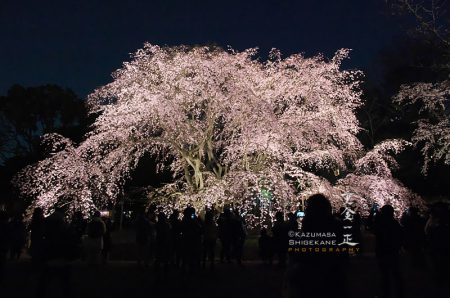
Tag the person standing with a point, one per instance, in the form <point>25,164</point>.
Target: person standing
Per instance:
<point>292,223</point>
<point>414,235</point>
<point>94,242</point>
<point>317,273</point>
<point>225,226</point>
<point>175,238</point>
<point>437,231</point>
<point>107,240</point>
<point>18,236</point>
<point>210,232</point>
<point>389,239</point>
<point>191,240</point>
<point>280,238</point>
<point>37,236</point>
<point>152,219</point>
<point>4,242</point>
<point>142,228</point>
<point>265,247</point>
<point>78,229</point>
<point>239,234</point>
<point>162,243</point>
<point>56,260</point>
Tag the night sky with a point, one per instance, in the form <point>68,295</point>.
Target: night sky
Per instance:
<point>77,44</point>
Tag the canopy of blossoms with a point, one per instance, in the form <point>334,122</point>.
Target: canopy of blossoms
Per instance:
<point>432,133</point>
<point>233,129</point>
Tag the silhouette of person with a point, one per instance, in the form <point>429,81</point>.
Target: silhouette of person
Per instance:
<point>107,239</point>
<point>210,233</point>
<point>56,260</point>
<point>4,242</point>
<point>238,236</point>
<point>317,273</point>
<point>292,223</point>
<point>414,236</point>
<point>142,228</point>
<point>175,238</point>
<point>280,231</point>
<point>374,210</point>
<point>18,236</point>
<point>265,245</point>
<point>191,239</point>
<point>78,227</point>
<point>96,228</point>
<point>37,236</point>
<point>389,238</point>
<point>437,232</point>
<point>225,226</point>
<point>152,219</point>
<point>162,242</point>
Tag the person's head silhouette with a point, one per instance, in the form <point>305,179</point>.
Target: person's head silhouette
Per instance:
<point>263,232</point>
<point>292,217</point>
<point>318,206</point>
<point>279,216</point>
<point>175,214</point>
<point>387,211</point>
<point>162,217</point>
<point>209,216</point>
<point>189,213</point>
<point>38,213</point>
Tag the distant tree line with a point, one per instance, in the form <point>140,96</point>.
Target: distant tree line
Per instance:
<point>26,113</point>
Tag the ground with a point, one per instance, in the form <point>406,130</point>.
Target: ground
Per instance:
<point>126,280</point>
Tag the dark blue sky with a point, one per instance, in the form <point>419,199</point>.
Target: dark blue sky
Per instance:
<point>77,44</point>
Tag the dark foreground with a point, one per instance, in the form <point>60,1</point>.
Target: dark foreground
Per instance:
<point>253,279</point>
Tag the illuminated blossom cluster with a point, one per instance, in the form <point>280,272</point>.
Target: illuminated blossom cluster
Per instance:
<point>432,133</point>
<point>372,181</point>
<point>260,135</point>
<point>380,160</point>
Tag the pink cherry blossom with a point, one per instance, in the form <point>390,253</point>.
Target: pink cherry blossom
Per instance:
<point>232,129</point>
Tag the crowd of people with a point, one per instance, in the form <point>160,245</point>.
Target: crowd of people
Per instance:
<point>189,242</point>
<point>54,242</point>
